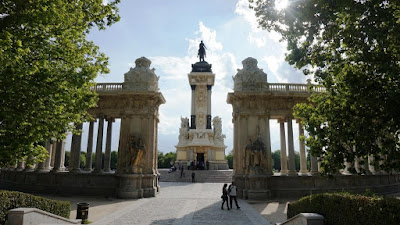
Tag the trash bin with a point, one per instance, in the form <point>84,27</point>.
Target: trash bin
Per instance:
<point>82,211</point>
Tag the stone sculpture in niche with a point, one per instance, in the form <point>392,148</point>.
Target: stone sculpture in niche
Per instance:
<point>255,153</point>
<point>136,151</point>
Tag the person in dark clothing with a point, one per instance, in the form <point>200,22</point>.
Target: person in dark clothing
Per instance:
<point>224,197</point>
<point>193,175</point>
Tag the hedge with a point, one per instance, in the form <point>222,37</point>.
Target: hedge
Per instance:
<point>13,199</point>
<point>346,208</point>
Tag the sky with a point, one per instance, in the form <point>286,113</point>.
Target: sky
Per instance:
<point>168,33</point>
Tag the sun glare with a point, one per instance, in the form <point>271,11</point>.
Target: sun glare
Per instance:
<point>281,4</point>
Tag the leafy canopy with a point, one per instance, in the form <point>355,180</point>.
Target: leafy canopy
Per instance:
<point>47,68</point>
<point>350,47</point>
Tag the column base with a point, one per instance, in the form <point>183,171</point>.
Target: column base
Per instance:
<point>292,173</point>
<point>314,173</point>
<point>303,173</point>
<point>284,172</point>
<point>75,170</point>
<point>44,170</point>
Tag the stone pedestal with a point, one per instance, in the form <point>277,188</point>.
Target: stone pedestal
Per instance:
<point>202,140</point>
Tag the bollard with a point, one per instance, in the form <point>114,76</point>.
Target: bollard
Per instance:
<point>82,211</point>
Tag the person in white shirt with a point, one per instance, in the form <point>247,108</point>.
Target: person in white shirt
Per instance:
<point>232,195</point>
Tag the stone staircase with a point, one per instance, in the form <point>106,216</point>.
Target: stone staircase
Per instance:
<point>202,176</point>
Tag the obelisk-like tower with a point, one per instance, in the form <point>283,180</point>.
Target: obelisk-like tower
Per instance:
<point>201,140</point>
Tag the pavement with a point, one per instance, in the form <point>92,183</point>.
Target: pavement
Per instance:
<point>180,203</point>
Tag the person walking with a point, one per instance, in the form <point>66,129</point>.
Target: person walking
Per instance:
<point>232,194</point>
<point>224,197</point>
<point>193,175</point>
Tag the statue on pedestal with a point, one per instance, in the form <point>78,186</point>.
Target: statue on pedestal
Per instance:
<point>202,51</point>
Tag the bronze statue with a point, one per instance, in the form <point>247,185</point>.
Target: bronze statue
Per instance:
<point>202,51</point>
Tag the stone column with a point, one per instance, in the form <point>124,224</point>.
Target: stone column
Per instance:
<point>88,165</point>
<point>21,165</point>
<point>208,107</point>
<point>292,165</point>
<point>107,154</point>
<point>58,166</point>
<point>347,165</point>
<point>314,166</point>
<point>193,108</point>
<point>99,147</point>
<point>44,166</point>
<point>284,170</point>
<point>53,153</point>
<point>303,158</point>
<point>75,157</point>
<point>268,145</point>
<point>371,167</point>
<point>30,168</point>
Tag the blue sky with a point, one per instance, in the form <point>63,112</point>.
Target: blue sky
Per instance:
<point>168,33</point>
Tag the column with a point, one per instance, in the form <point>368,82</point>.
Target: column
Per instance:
<point>303,158</point>
<point>75,158</point>
<point>371,161</point>
<point>88,166</point>
<point>193,109</point>
<point>21,165</point>
<point>284,170</point>
<point>314,166</point>
<point>208,107</point>
<point>30,167</point>
<point>107,154</point>
<point>50,148</point>
<point>268,145</point>
<point>347,165</point>
<point>58,167</point>
<point>99,147</point>
<point>44,166</point>
<point>53,153</point>
<point>292,166</point>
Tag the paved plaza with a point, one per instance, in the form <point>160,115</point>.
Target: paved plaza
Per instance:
<point>179,203</point>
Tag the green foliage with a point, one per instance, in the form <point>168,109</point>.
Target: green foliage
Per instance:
<point>352,49</point>
<point>114,160</point>
<point>229,157</point>
<point>345,208</point>
<point>13,199</point>
<point>164,161</point>
<point>47,70</point>
<point>276,160</point>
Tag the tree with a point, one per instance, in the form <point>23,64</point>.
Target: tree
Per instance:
<point>229,158</point>
<point>164,161</point>
<point>114,160</point>
<point>352,50</point>
<point>276,160</point>
<point>47,68</point>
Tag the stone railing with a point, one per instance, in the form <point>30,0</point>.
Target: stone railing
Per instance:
<point>279,87</point>
<point>107,87</point>
<point>272,87</point>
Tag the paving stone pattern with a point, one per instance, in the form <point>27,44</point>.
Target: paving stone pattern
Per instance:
<point>184,203</point>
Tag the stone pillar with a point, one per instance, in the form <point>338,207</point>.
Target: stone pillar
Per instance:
<point>371,167</point>
<point>314,166</point>
<point>58,166</point>
<point>268,145</point>
<point>284,170</point>
<point>107,154</point>
<point>88,165</point>
<point>75,157</point>
<point>21,165</point>
<point>347,165</point>
<point>193,108</point>
<point>44,166</point>
<point>99,147</point>
<point>292,165</point>
<point>303,158</point>
<point>208,126</point>
<point>53,153</point>
<point>30,168</point>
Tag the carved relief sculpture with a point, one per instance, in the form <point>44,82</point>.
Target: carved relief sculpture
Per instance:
<point>136,151</point>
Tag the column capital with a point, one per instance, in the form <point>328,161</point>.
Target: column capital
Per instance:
<point>193,87</point>
<point>281,120</point>
<point>110,119</point>
<point>209,87</point>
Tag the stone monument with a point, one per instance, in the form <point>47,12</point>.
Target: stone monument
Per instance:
<point>201,139</point>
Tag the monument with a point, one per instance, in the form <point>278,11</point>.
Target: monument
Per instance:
<point>201,139</point>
